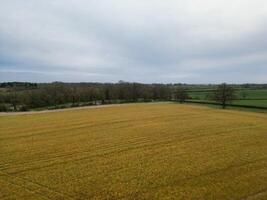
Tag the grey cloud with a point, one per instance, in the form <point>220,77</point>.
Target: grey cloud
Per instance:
<point>145,41</point>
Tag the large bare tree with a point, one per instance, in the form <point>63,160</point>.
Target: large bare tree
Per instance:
<point>224,94</point>
<point>180,94</point>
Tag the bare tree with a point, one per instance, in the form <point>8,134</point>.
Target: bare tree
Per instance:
<point>13,97</point>
<point>74,94</point>
<point>224,94</point>
<point>180,94</point>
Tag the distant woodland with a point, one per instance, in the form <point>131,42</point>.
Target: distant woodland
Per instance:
<point>23,96</point>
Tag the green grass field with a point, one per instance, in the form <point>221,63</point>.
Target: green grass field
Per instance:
<point>252,94</point>
<point>135,151</point>
<point>261,103</point>
<point>246,97</point>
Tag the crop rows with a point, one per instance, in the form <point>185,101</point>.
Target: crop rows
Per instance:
<point>135,151</point>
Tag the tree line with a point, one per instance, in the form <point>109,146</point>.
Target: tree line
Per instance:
<point>17,96</point>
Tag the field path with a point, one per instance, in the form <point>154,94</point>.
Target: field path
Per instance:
<point>58,110</point>
<point>75,108</point>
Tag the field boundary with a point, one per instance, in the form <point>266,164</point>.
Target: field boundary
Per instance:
<point>124,104</point>
<point>231,105</point>
<point>75,108</point>
<point>57,110</point>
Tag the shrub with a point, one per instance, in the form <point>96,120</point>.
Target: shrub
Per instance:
<point>24,108</point>
<point>4,108</point>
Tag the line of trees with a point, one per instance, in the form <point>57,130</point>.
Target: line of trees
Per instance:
<point>18,97</point>
<point>25,96</point>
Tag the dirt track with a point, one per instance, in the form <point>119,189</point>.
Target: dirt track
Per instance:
<point>66,109</point>
<point>57,110</point>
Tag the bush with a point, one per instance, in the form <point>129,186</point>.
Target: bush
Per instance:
<point>4,108</point>
<point>148,100</point>
<point>24,108</point>
<point>60,106</point>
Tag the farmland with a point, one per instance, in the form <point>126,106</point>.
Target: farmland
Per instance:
<point>25,96</point>
<point>134,151</point>
<point>244,97</point>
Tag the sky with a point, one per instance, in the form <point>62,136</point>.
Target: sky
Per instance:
<point>148,41</point>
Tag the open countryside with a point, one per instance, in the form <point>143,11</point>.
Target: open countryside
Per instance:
<point>133,100</point>
<point>25,96</point>
<point>254,97</point>
<point>134,151</point>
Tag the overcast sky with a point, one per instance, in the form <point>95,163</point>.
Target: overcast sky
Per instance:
<point>190,41</point>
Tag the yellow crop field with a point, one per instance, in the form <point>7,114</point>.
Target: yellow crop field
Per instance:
<point>134,151</point>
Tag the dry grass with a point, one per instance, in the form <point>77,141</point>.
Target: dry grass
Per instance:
<point>142,151</point>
